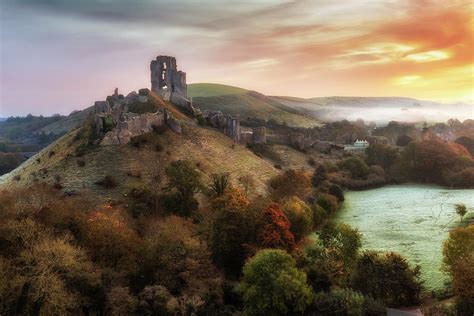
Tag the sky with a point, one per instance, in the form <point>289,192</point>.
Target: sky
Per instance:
<point>60,55</point>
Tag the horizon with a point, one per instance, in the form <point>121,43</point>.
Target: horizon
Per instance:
<point>82,51</point>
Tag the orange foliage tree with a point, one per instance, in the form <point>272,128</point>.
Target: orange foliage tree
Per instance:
<point>275,229</point>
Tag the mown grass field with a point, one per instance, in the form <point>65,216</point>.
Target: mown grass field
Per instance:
<point>413,220</point>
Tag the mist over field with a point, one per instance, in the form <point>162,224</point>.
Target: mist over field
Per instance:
<point>386,114</point>
<point>380,110</point>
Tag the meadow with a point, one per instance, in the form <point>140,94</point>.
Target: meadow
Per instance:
<point>413,220</point>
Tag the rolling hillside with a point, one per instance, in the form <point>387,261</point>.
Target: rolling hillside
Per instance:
<point>212,89</point>
<point>133,165</point>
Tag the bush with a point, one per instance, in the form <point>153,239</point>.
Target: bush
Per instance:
<point>389,278</point>
<point>220,182</point>
<point>272,284</point>
<point>108,182</point>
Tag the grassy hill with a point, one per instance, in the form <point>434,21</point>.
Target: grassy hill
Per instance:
<point>212,89</point>
<point>136,164</point>
<point>253,104</point>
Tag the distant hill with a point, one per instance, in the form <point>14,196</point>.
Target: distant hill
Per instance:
<point>3,119</point>
<point>251,104</point>
<point>212,89</point>
<point>67,123</point>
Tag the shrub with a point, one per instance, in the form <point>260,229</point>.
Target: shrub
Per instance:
<point>81,162</point>
<point>220,182</point>
<point>273,285</point>
<point>108,182</point>
<point>389,278</point>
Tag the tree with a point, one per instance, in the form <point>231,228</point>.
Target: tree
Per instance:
<point>356,166</point>
<point>337,192</point>
<point>404,140</point>
<point>274,229</point>
<point>461,210</point>
<point>232,230</point>
<point>382,155</point>
<point>458,256</point>
<point>300,216</point>
<point>319,176</point>
<point>291,183</point>
<point>272,284</point>
<point>389,278</point>
<point>328,202</point>
<point>178,260</point>
<point>183,182</point>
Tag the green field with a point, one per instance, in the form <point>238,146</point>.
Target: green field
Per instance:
<point>412,220</point>
<point>212,89</point>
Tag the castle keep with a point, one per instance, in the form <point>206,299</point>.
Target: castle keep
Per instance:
<point>118,125</point>
<point>166,79</point>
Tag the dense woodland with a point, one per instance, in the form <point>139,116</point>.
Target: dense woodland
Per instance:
<point>206,249</point>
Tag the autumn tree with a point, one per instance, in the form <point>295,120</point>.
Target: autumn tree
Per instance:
<point>232,230</point>
<point>389,278</point>
<point>110,240</point>
<point>274,229</point>
<point>458,258</point>
<point>176,259</point>
<point>272,285</point>
<point>291,183</point>
<point>300,216</point>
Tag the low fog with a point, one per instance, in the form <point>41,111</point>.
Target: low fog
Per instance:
<point>382,115</point>
<point>380,110</point>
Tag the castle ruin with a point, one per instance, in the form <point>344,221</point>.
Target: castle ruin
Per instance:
<point>166,79</point>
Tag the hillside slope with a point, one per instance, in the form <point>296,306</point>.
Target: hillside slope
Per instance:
<point>137,163</point>
<point>256,105</point>
<point>212,89</point>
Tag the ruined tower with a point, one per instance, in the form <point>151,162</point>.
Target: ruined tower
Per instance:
<point>233,127</point>
<point>166,80</point>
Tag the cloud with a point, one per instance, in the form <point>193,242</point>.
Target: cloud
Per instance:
<point>59,50</point>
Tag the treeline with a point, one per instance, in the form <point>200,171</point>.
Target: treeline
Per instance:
<point>430,160</point>
<point>220,252</point>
